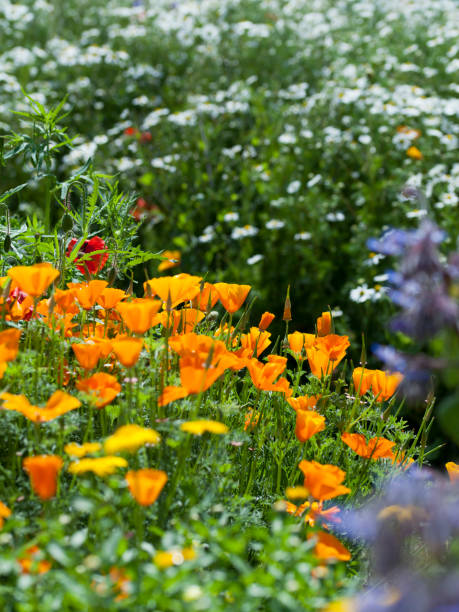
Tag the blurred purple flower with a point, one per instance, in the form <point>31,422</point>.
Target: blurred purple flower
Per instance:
<point>410,530</point>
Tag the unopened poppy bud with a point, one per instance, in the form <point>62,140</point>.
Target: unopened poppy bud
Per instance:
<point>265,321</point>
<point>7,243</point>
<point>287,307</point>
<point>324,324</point>
<point>67,223</point>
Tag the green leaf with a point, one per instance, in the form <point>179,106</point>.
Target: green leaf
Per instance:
<point>5,195</point>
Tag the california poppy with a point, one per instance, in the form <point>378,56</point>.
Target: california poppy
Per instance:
<point>184,320</point>
<point>127,350</point>
<point>304,402</point>
<point>93,264</point>
<point>171,260</point>
<point>87,354</point>
<point>110,297</point>
<point>376,448</point>
<point>9,344</point>
<point>43,471</point>
<point>324,324</point>
<point>88,293</point>
<point>232,296</point>
<point>326,353</point>
<point>59,403</point>
<point>101,386</point>
<point>323,481</point>
<point>453,471</point>
<point>266,319</point>
<point>146,485</point>
<point>35,279</point>
<point>382,384</point>
<point>206,298</point>
<point>308,423</point>
<point>253,343</point>
<point>138,314</point>
<point>298,342</point>
<point>329,548</point>
<point>174,290</point>
<point>65,300</point>
<point>263,375</point>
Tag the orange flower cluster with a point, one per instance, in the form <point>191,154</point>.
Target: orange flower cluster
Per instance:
<point>376,448</point>
<point>59,403</point>
<point>382,384</point>
<point>323,481</point>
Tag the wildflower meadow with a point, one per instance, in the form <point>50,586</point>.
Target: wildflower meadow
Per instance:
<point>229,304</point>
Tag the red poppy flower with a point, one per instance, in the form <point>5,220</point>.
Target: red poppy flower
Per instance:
<point>95,263</point>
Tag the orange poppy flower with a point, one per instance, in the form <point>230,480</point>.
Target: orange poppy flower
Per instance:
<point>101,386</point>
<point>329,548</point>
<point>299,342</point>
<point>173,290</point>
<point>88,293</point>
<point>146,485</point>
<point>232,296</point>
<point>195,377</point>
<point>65,300</point>
<point>206,298</point>
<point>43,471</point>
<point>382,385</point>
<point>323,481</point>
<point>87,354</point>
<point>127,350</point>
<point>5,512</point>
<point>202,361</point>
<point>109,298</point>
<point>326,353</point>
<point>171,260</point>
<point>304,402</point>
<point>266,319</point>
<point>59,403</point>
<point>32,562</point>
<point>324,324</point>
<point>264,375</point>
<point>308,423</point>
<point>35,279</point>
<point>201,348</point>
<point>184,320</point>
<point>255,341</point>
<point>138,314</point>
<point>453,471</point>
<point>376,448</point>
<point>9,344</point>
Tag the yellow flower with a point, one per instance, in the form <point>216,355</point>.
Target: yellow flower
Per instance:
<point>129,438</point>
<point>342,605</point>
<point>102,466</point>
<point>414,153</point>
<point>197,428</point>
<point>166,558</point>
<point>75,450</point>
